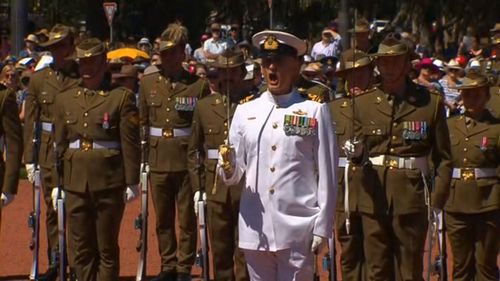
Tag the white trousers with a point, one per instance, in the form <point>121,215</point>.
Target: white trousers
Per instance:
<point>284,265</point>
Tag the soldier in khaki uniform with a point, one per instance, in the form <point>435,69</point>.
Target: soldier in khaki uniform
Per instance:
<point>210,129</point>
<point>45,85</point>
<point>399,129</point>
<point>167,101</point>
<point>357,74</point>
<point>493,72</point>
<point>11,134</point>
<point>473,208</point>
<point>97,136</point>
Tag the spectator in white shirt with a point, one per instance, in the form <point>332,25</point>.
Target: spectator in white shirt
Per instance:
<point>329,46</point>
<point>215,45</point>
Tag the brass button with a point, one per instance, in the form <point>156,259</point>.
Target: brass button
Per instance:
<point>85,125</point>
<point>167,120</point>
<point>209,130</point>
<point>86,114</point>
<point>373,131</point>
<point>273,147</point>
<point>152,103</point>
<point>392,149</point>
<point>169,99</point>
<point>225,132</point>
<point>394,137</point>
<point>225,123</point>
<point>394,124</point>
<point>465,149</point>
<point>271,190</point>
<point>465,159</point>
<point>44,101</point>
<point>272,169</point>
<point>466,139</point>
<point>275,125</point>
<point>168,109</point>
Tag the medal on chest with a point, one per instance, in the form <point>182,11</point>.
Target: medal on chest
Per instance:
<point>484,144</point>
<point>415,130</point>
<point>299,125</point>
<point>185,103</point>
<point>105,121</point>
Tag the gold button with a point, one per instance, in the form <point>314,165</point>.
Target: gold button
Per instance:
<point>167,120</point>
<point>271,190</point>
<point>169,99</point>
<point>373,131</point>
<point>353,168</point>
<point>465,149</point>
<point>153,103</point>
<point>225,123</point>
<point>275,125</point>
<point>392,150</point>
<point>86,114</point>
<point>394,124</point>
<point>466,139</point>
<point>465,159</point>
<point>394,137</point>
<point>85,125</point>
<point>225,132</point>
<point>273,147</point>
<point>168,109</point>
<point>272,169</point>
<point>44,101</point>
<point>209,130</point>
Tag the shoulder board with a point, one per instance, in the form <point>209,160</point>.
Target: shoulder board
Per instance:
<point>314,97</point>
<point>248,98</point>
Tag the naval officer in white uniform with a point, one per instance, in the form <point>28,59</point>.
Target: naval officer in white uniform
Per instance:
<point>284,146</point>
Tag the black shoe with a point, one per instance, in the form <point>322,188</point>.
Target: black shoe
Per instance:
<point>183,277</point>
<point>165,276</point>
<point>50,274</point>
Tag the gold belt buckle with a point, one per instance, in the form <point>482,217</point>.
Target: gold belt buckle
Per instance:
<point>168,133</point>
<point>85,145</point>
<point>467,174</point>
<point>392,163</point>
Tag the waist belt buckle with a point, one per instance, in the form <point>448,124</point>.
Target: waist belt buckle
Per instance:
<point>85,144</point>
<point>168,133</point>
<point>392,163</point>
<point>467,174</point>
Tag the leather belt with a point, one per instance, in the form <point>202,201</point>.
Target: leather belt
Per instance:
<point>47,127</point>
<point>474,173</point>
<point>87,145</point>
<point>400,162</point>
<point>169,133</point>
<point>342,162</point>
<point>212,154</point>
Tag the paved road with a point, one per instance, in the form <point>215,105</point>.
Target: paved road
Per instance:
<point>15,256</point>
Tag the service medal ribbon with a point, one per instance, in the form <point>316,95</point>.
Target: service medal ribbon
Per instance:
<point>105,121</point>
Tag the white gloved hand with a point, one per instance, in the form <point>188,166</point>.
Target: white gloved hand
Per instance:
<point>131,193</point>
<point>317,242</point>
<point>142,167</point>
<point>55,195</point>
<point>30,171</point>
<point>349,147</point>
<point>196,198</point>
<point>7,198</point>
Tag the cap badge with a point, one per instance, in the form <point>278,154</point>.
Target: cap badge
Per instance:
<point>271,43</point>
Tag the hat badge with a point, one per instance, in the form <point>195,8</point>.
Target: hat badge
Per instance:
<point>88,54</point>
<point>57,35</point>
<point>271,43</point>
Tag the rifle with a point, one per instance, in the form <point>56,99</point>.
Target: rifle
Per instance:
<point>431,220</point>
<point>202,255</point>
<point>34,216</point>
<point>61,215</point>
<point>141,222</point>
<point>441,265</point>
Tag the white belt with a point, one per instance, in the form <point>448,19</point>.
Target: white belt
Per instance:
<point>474,173</point>
<point>77,144</point>
<point>400,162</point>
<point>212,154</point>
<point>47,127</point>
<point>342,162</point>
<point>168,133</point>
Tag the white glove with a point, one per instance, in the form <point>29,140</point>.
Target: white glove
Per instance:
<point>142,166</point>
<point>316,242</point>
<point>30,170</point>
<point>7,198</point>
<point>349,147</point>
<point>196,198</point>
<point>55,195</point>
<point>131,193</point>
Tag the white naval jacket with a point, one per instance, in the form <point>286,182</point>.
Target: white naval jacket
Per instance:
<point>290,181</point>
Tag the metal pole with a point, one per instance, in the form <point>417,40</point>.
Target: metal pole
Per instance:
<point>111,34</point>
<point>18,20</point>
<point>344,24</point>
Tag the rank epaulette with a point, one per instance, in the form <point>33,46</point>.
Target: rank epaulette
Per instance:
<point>315,98</point>
<point>248,98</point>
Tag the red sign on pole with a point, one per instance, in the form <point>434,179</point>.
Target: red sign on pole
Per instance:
<point>110,9</point>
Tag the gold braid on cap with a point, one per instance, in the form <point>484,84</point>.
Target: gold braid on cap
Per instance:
<point>175,33</point>
<point>271,43</point>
